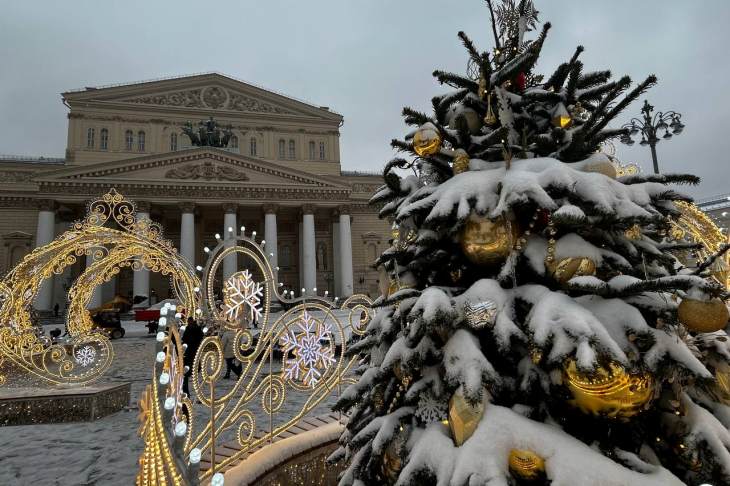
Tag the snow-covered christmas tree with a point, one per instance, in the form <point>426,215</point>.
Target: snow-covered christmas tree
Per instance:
<point>541,327</point>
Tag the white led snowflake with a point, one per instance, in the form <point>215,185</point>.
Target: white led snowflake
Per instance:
<point>240,293</point>
<point>310,356</point>
<point>431,409</point>
<point>85,356</point>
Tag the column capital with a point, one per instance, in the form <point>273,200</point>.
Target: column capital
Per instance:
<point>143,206</point>
<point>187,206</point>
<point>308,209</point>
<point>271,208</point>
<point>46,205</point>
<point>344,209</point>
<point>230,208</point>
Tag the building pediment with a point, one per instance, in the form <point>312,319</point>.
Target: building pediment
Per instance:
<point>194,167</point>
<point>204,92</point>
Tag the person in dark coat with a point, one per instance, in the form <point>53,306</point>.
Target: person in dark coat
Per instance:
<point>192,336</point>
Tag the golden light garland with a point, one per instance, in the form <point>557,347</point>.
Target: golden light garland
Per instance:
<point>113,236</point>
<point>693,224</point>
<point>260,381</point>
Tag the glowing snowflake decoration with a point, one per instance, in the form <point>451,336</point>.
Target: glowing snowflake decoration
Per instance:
<point>311,351</point>
<point>240,293</point>
<point>85,356</point>
<point>431,409</point>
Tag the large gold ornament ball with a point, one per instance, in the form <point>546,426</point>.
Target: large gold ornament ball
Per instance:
<point>526,465</point>
<point>609,391</point>
<point>464,416</point>
<point>606,168</point>
<point>427,140</point>
<point>564,269</point>
<point>703,315</point>
<point>487,241</point>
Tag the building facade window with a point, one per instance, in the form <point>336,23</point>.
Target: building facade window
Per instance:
<point>252,147</point>
<point>104,139</point>
<point>292,149</point>
<point>140,141</point>
<point>285,256</point>
<point>90,138</point>
<point>128,140</point>
<point>372,252</point>
<point>173,142</point>
<point>311,150</point>
<point>321,151</point>
<point>234,142</point>
<point>282,149</point>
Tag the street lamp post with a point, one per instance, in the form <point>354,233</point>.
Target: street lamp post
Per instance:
<point>649,128</point>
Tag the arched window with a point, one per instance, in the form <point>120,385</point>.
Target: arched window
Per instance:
<point>285,256</point>
<point>128,139</point>
<point>321,256</point>
<point>173,142</point>
<point>90,138</point>
<point>292,149</point>
<point>282,149</point>
<point>252,147</point>
<point>104,139</point>
<point>321,150</point>
<point>311,150</point>
<point>234,142</point>
<point>140,141</point>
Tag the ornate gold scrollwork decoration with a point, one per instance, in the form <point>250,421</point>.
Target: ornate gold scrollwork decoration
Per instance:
<point>114,238</point>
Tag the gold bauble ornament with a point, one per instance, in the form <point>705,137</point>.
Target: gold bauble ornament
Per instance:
<point>703,315</point>
<point>427,140</point>
<point>487,241</point>
<point>526,465</point>
<point>606,168</point>
<point>464,417</point>
<point>392,462</point>
<point>461,161</point>
<point>609,391</point>
<point>561,117</point>
<point>564,269</point>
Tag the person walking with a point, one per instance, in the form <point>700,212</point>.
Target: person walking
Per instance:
<point>192,336</point>
<point>227,339</point>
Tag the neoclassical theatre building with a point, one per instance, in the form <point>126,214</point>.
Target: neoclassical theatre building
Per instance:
<point>279,176</point>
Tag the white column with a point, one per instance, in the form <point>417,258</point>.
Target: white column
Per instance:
<point>230,263</point>
<point>270,236</point>
<point>95,300</point>
<point>141,278</point>
<point>345,254</point>
<point>309,257</point>
<point>187,232</point>
<point>43,236</point>
<point>336,253</point>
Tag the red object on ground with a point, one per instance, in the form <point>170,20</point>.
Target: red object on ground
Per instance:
<point>146,315</point>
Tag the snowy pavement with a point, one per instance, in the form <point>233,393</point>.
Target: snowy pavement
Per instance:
<point>104,452</point>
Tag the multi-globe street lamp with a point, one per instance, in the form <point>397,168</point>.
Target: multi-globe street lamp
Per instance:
<point>650,126</point>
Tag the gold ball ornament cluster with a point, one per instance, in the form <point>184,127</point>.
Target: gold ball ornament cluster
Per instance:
<point>526,465</point>
<point>703,315</point>
<point>464,416</point>
<point>609,391</point>
<point>487,241</point>
<point>564,269</point>
<point>427,140</point>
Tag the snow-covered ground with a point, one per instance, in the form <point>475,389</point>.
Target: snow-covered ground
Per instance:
<point>100,453</point>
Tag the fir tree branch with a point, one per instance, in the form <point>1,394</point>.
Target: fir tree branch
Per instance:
<point>593,78</point>
<point>661,179</point>
<point>573,77</point>
<point>469,45</point>
<point>455,80</point>
<point>558,78</point>
<point>621,105</point>
<point>413,117</point>
<point>712,259</point>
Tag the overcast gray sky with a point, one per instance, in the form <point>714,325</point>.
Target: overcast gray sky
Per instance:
<point>365,59</point>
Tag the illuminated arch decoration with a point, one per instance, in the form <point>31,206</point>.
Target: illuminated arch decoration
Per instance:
<point>172,454</point>
<point>113,236</point>
<point>694,225</point>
